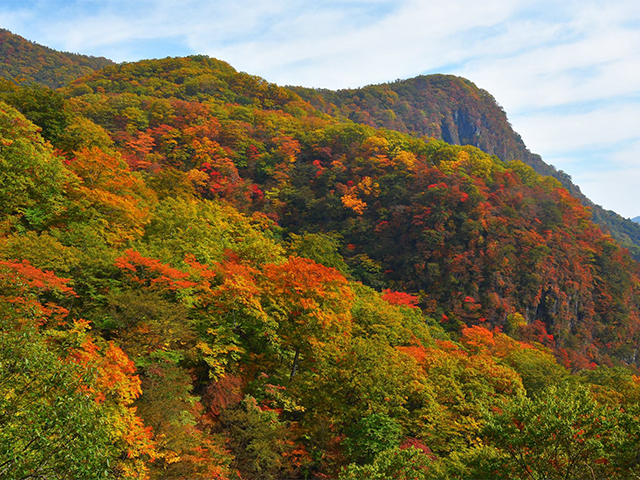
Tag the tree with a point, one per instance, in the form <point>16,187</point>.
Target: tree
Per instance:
<point>32,178</point>
<point>49,427</point>
<point>563,433</point>
<point>370,436</point>
<point>410,463</point>
<point>309,301</point>
<point>44,107</point>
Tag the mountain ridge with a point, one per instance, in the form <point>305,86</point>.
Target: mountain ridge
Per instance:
<point>203,276</point>
<point>454,109</point>
<point>455,120</point>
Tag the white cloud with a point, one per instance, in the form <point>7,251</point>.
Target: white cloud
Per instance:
<point>616,190</point>
<point>555,133</point>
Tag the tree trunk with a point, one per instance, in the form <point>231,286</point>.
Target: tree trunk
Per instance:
<point>294,367</point>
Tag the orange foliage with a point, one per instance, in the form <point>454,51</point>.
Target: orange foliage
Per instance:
<point>110,188</point>
<point>138,150</point>
<point>312,301</point>
<point>306,283</point>
<point>116,386</point>
<point>481,340</point>
<point>115,372</point>
<point>417,351</point>
<point>350,200</point>
<point>288,147</point>
<point>477,338</point>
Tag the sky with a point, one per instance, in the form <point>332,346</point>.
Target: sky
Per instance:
<point>567,72</point>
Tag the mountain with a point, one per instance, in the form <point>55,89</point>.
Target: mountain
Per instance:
<point>636,219</point>
<point>440,106</point>
<point>203,276</point>
<point>475,238</point>
<point>25,61</point>
<point>455,110</point>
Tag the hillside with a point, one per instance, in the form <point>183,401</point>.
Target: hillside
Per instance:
<point>203,276</point>
<point>25,61</point>
<point>455,110</point>
<point>440,106</point>
<point>475,238</point>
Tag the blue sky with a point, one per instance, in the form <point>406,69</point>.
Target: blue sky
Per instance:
<point>567,72</point>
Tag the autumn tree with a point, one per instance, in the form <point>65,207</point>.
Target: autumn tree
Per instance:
<point>563,433</point>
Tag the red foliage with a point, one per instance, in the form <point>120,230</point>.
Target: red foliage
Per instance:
<point>400,298</point>
<point>223,393</point>
<point>152,273</point>
<point>25,287</point>
<point>537,332</point>
<point>415,443</point>
<point>28,278</point>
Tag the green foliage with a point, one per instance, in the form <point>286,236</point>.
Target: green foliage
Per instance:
<point>393,464</point>
<point>168,406</point>
<point>538,369</point>
<point>41,250</point>
<point>370,436</point>
<point>49,427</point>
<point>81,133</point>
<point>44,107</point>
<point>259,439</point>
<point>32,178</point>
<point>207,230</point>
<point>320,248</point>
<point>563,433</point>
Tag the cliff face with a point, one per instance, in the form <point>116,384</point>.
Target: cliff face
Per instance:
<point>455,110</point>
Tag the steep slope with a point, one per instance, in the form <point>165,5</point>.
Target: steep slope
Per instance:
<point>23,60</point>
<point>478,239</point>
<point>440,106</point>
<point>455,110</point>
<point>152,331</point>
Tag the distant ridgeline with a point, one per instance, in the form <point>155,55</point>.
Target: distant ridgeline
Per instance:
<point>440,106</point>
<point>25,61</point>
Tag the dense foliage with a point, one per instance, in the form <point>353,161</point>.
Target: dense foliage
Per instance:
<point>203,276</point>
<point>439,106</point>
<point>457,111</point>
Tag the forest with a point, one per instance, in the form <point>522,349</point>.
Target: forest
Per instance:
<point>206,276</point>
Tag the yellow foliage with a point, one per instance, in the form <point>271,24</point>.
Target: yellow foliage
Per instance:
<point>375,146</point>
<point>407,159</point>
<point>368,187</point>
<point>197,177</point>
<point>351,201</point>
<point>472,162</point>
